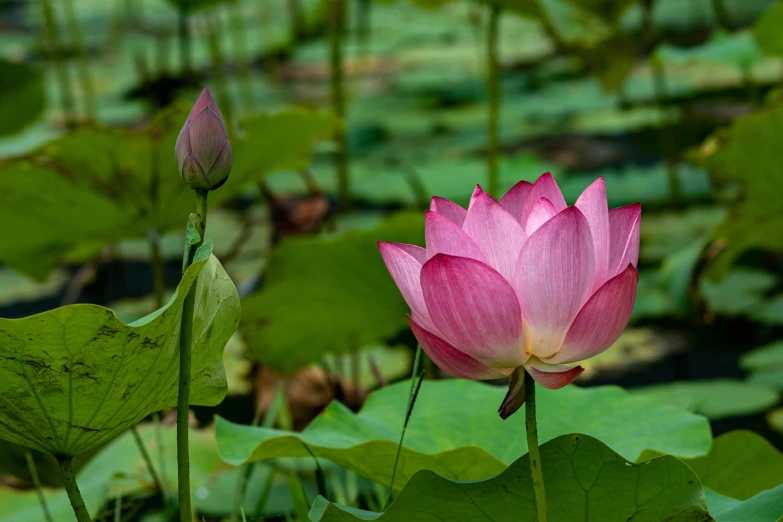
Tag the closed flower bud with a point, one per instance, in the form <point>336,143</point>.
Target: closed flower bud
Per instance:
<point>203,152</point>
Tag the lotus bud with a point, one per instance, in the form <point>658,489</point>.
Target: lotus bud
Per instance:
<point>524,284</point>
<point>203,152</point>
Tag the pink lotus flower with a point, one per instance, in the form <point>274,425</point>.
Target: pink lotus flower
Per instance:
<point>527,282</point>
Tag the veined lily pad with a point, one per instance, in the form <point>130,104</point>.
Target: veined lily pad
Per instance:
<point>585,481</point>
<point>455,430</point>
<point>74,377</point>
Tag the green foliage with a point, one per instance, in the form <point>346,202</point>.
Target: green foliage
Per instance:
<point>22,96</point>
<point>765,365</point>
<point>117,469</point>
<point>717,399</point>
<point>739,293</point>
<point>764,507</point>
<point>75,377</point>
<point>327,295</point>
<point>748,154</point>
<point>455,431</point>
<point>740,464</point>
<point>738,50</point>
<point>101,185</point>
<point>585,481</point>
<point>189,6</point>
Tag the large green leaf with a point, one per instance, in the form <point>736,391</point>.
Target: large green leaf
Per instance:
<point>740,464</point>
<point>748,154</point>
<point>456,432</point>
<point>74,377</point>
<point>118,469</point>
<point>22,96</point>
<point>585,481</point>
<point>100,185</point>
<point>766,30</point>
<point>327,295</point>
<point>717,398</point>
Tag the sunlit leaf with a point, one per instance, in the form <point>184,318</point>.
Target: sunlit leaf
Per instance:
<point>456,432</point>
<point>75,377</point>
<point>585,481</point>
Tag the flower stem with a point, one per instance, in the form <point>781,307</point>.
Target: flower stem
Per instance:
<point>69,482</point>
<point>493,95</point>
<point>183,398</point>
<point>148,461</point>
<point>37,483</point>
<point>337,88</point>
<point>532,448</point>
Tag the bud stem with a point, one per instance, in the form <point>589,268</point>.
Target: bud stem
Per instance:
<point>183,398</point>
<point>532,448</point>
<point>493,95</point>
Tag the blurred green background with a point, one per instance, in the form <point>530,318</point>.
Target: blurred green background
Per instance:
<point>345,117</point>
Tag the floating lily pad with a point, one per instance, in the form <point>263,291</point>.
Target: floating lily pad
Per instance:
<point>717,399</point>
<point>738,293</point>
<point>456,432</point>
<point>585,481</point>
<point>75,377</point>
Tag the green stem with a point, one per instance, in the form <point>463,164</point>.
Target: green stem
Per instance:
<point>296,16</point>
<point>493,94</point>
<point>214,29</point>
<point>532,448</point>
<point>161,449</point>
<point>37,483</point>
<point>118,508</point>
<point>722,17</point>
<point>82,64</point>
<point>668,137</point>
<point>412,394</point>
<point>69,482</point>
<point>183,397</point>
<point>54,51</point>
<point>184,42</point>
<point>337,12</point>
<point>148,461</point>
